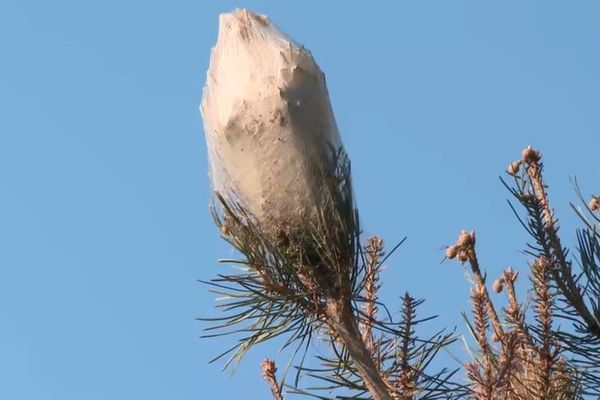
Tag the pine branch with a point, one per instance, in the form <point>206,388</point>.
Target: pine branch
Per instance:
<point>578,293</point>
<point>513,314</point>
<point>464,250</point>
<point>343,324</point>
<point>563,275</point>
<point>406,382</point>
<point>398,351</point>
<point>543,299</point>
<point>484,380</point>
<point>374,252</point>
<point>269,369</point>
<point>299,278</point>
<point>530,190</point>
<point>526,363</point>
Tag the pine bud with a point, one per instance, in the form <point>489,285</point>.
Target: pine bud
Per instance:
<point>510,276</point>
<point>465,239</point>
<point>498,285</point>
<point>594,203</point>
<point>268,367</point>
<point>513,168</point>
<point>451,252</point>
<point>530,155</point>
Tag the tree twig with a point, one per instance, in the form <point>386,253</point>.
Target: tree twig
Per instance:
<point>269,369</point>
<point>343,324</point>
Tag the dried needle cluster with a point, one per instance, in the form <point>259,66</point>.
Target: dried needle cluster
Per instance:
<point>320,283</point>
<point>538,359</point>
<point>577,292</point>
<point>401,357</point>
<point>518,361</point>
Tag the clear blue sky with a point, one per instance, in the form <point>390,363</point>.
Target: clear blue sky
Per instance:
<point>104,224</point>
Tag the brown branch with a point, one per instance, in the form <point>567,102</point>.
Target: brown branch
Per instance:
<point>480,315</point>
<point>374,252</point>
<point>507,357</point>
<point>543,309</point>
<point>342,324</point>
<point>406,382</point>
<point>514,315</point>
<point>269,369</point>
<point>464,250</point>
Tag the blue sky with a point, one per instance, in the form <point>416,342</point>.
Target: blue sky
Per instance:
<point>104,225</point>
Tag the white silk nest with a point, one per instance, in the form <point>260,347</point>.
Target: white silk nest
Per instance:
<point>270,130</point>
